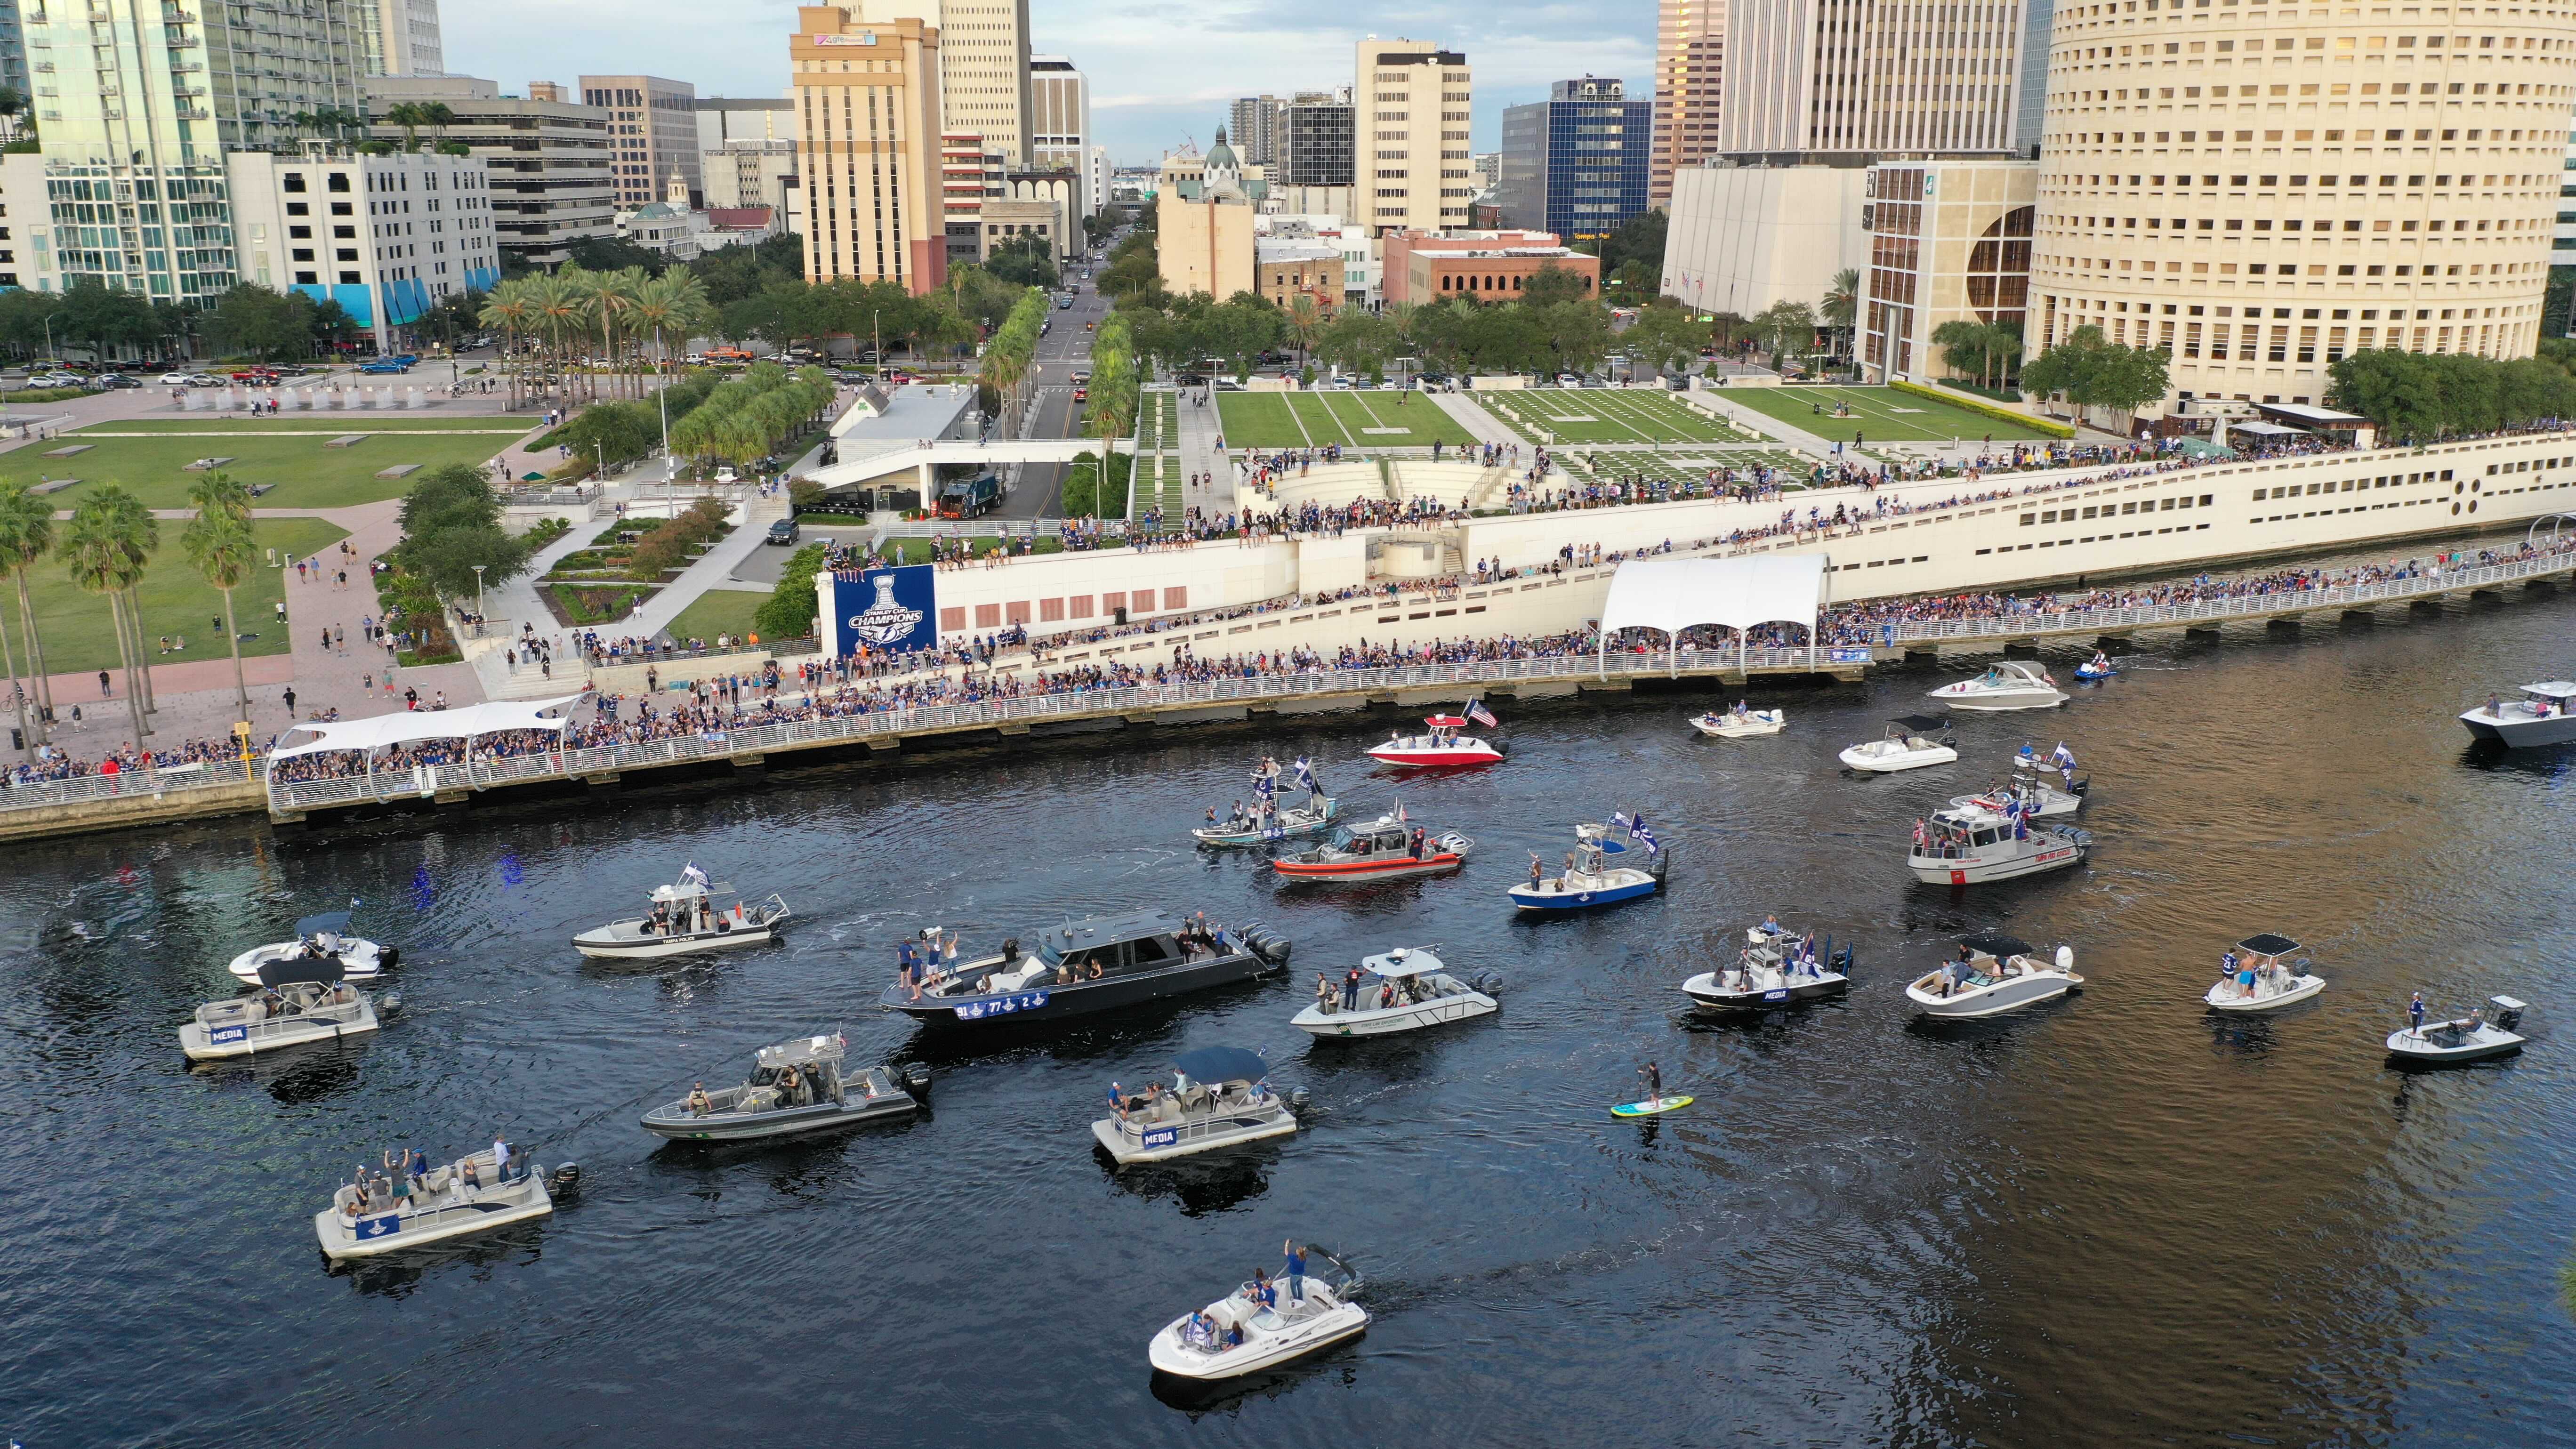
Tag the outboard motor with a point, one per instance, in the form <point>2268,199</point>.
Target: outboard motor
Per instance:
<point>564,1180</point>
<point>389,1003</point>
<point>1296,1099</point>
<point>1842,962</point>
<point>916,1080</point>
<point>1488,982</point>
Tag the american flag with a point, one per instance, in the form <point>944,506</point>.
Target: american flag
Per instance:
<point>1476,711</point>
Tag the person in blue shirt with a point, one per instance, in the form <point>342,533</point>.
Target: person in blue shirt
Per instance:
<point>1296,1272</point>
<point>2415,1014</point>
<point>1265,1294</point>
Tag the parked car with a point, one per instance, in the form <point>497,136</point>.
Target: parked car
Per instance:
<point>204,379</point>
<point>783,531</point>
<point>118,379</point>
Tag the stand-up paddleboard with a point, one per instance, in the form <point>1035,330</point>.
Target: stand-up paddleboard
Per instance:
<point>1648,1109</point>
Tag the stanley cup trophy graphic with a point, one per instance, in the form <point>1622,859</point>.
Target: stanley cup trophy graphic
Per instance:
<point>884,622</point>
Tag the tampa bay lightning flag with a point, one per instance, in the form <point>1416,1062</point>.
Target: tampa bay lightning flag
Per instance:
<point>1306,776</point>
<point>1645,837</point>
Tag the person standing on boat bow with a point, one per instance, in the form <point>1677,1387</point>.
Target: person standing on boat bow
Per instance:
<point>2415,1014</point>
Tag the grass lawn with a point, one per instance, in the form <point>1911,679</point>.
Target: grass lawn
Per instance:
<point>1352,419</point>
<point>329,425</point>
<point>718,611</point>
<point>1879,414</point>
<point>307,474</point>
<point>1611,415</point>
<point>1255,420</point>
<point>75,626</point>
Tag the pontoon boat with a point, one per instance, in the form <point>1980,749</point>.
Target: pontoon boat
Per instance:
<point>2541,717</point>
<point>1991,975</point>
<point>1241,1333</point>
<point>2260,980</point>
<point>2472,1038</point>
<point>1402,990</point>
<point>317,937</point>
<point>1777,968</point>
<point>1908,746</point>
<point>796,1086</point>
<point>471,1195</point>
<point>2006,684</point>
<point>689,916</point>
<point>1219,1097</point>
<point>299,1001</point>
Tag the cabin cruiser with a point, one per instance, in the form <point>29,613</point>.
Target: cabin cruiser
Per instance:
<point>1261,1325</point>
<point>2006,684</point>
<point>1098,963</point>
<point>1220,1096</point>
<point>1440,746</point>
<point>1993,974</point>
<point>387,1210</point>
<point>795,1086</point>
<point>299,1000</point>
<point>1777,968</point>
<point>318,937</point>
<point>1909,745</point>
<point>2038,799</point>
<point>1402,990</point>
<point>1972,845</point>
<point>1740,723</point>
<point>2541,717</point>
<point>1593,877</point>
<point>2260,980</point>
<point>2473,1038</point>
<point>688,916</point>
<point>1383,849</point>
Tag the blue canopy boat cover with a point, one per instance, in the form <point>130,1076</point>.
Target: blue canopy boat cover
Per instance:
<point>1221,1064</point>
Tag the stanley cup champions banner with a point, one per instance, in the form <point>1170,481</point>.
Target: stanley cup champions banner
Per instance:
<point>889,610</point>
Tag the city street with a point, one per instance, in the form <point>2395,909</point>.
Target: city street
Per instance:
<point>1064,351</point>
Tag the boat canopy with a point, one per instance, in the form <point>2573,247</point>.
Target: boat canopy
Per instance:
<point>1221,1064</point>
<point>2268,944</point>
<point>688,890</point>
<point>1402,961</point>
<point>303,970</point>
<point>336,922</point>
<point>1445,721</point>
<point>801,1051</point>
<point>1996,944</point>
<point>2552,689</point>
<point>1921,724</point>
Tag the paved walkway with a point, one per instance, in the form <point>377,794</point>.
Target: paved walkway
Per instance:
<point>1481,425</point>
<point>1199,431</point>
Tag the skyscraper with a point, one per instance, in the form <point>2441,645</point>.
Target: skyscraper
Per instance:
<point>656,125</point>
<point>1811,78</point>
<point>1253,122</point>
<point>1313,140</point>
<point>983,67</point>
<point>1690,53</point>
<point>2264,189</point>
<point>1412,101</point>
<point>397,37</point>
<point>1060,123</point>
<point>1576,163</point>
<point>868,109</point>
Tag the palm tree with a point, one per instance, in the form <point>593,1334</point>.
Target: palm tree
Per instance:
<point>557,303</point>
<point>509,309</point>
<point>1305,320</point>
<point>141,532</point>
<point>106,558</point>
<point>26,536</point>
<point>604,297</point>
<point>1842,303</point>
<point>219,542</point>
<point>408,115</point>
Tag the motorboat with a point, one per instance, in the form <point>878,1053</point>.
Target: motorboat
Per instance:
<point>1261,826</point>
<point>1993,974</point>
<point>2038,799</point>
<point>300,1000</point>
<point>1776,968</point>
<point>1440,746</point>
<point>2473,1038</point>
<point>796,1086</point>
<point>1740,723</point>
<point>1619,834</point>
<point>1972,845</point>
<point>1219,1097</point>
<point>1260,1325</point>
<point>1382,849</point>
<point>2261,980</point>
<point>689,916</point>
<point>1402,990</point>
<point>1097,963</point>
<point>1908,745</point>
<point>2545,715</point>
<point>1593,877</point>
<point>474,1194</point>
<point>2006,684</point>
<point>318,937</point>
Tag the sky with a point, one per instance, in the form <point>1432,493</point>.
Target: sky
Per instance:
<point>1160,74</point>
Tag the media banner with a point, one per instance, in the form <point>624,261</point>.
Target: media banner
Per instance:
<point>888,610</point>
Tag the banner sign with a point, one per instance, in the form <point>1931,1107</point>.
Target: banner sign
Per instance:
<point>889,610</point>
<point>1847,656</point>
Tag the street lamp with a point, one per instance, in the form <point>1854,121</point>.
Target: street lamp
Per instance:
<point>478,597</point>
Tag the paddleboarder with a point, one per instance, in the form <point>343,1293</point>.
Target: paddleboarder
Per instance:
<point>1654,1084</point>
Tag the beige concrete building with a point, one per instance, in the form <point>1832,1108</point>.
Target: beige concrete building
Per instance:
<point>1060,124</point>
<point>867,103</point>
<point>1808,77</point>
<point>1948,241</point>
<point>397,37</point>
<point>1409,151</point>
<point>1744,237</point>
<point>1204,245</point>
<point>547,159</point>
<point>1690,58</point>
<point>2262,189</point>
<point>983,67</point>
<point>655,124</point>
<point>1290,268</point>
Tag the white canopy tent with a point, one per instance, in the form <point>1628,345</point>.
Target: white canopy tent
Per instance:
<point>384,731</point>
<point>1673,594</point>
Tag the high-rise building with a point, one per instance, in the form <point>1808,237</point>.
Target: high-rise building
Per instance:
<point>13,48</point>
<point>2319,183</point>
<point>1413,112</point>
<point>546,160</point>
<point>1313,138</point>
<point>1253,122</point>
<point>397,37</point>
<point>723,120</point>
<point>386,237</point>
<point>1690,55</point>
<point>868,110</point>
<point>1808,79</point>
<point>1949,241</point>
<point>656,127</point>
<point>983,67</point>
<point>2562,250</point>
<point>1060,124</point>
<point>1576,164</point>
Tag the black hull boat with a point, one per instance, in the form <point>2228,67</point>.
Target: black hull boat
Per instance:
<point>1115,963</point>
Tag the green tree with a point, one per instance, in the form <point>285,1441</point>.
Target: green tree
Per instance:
<point>1638,241</point>
<point>790,610</point>
<point>220,543</point>
<point>2090,372</point>
<point>1552,284</point>
<point>106,546</point>
<point>1023,261</point>
<point>1842,306</point>
<point>263,323</point>
<point>1665,337</point>
<point>451,521</point>
<point>26,536</point>
<point>104,317</point>
<point>1785,325</point>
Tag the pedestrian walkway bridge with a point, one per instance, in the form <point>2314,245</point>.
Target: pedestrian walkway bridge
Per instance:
<point>922,458</point>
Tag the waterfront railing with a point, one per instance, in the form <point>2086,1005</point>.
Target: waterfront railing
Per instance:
<point>38,794</point>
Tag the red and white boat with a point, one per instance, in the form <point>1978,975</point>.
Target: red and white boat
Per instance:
<point>1440,746</point>
<point>1383,849</point>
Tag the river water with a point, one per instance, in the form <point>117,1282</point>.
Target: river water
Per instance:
<point>2110,1220</point>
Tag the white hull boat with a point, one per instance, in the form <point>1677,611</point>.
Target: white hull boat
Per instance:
<point>286,1016</point>
<point>2038,801</point>
<point>1741,724</point>
<point>2472,1038</point>
<point>1908,745</point>
<point>322,937</point>
<point>1204,1345</point>
<point>2541,717</point>
<point>1316,815</point>
<point>690,917</point>
<point>2260,980</point>
<point>2007,684</point>
<point>1772,972</point>
<point>441,1206</point>
<point>1997,975</point>
<point>2229,996</point>
<point>1220,1097</point>
<point>1975,846</point>
<point>1403,990</point>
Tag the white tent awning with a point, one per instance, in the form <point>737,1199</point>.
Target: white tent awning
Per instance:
<point>410,726</point>
<point>1670,595</point>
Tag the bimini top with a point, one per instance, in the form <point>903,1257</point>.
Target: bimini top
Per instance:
<point>2268,944</point>
<point>1444,722</point>
<point>1996,944</point>
<point>303,970</point>
<point>2552,689</point>
<point>1922,724</point>
<point>335,922</point>
<point>802,1051</point>
<point>1221,1064</point>
<point>1107,930</point>
<point>1402,961</point>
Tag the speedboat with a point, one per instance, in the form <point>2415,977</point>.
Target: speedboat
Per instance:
<point>1777,968</point>
<point>2472,1038</point>
<point>1593,877</point>
<point>1402,990</point>
<point>2006,684</point>
<point>2261,980</point>
<point>1241,1333</point>
<point>470,1195</point>
<point>1439,747</point>
<point>1380,850</point>
<point>1972,845</point>
<point>1740,723</point>
<point>2541,717</point>
<point>1908,745</point>
<point>689,916</point>
<point>1994,974</point>
<point>795,1086</point>
<point>318,937</point>
<point>300,1000</point>
<point>1098,963</point>
<point>2038,799</point>
<point>1219,1097</point>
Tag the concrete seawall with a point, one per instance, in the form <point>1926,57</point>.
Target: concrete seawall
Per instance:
<point>143,807</point>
